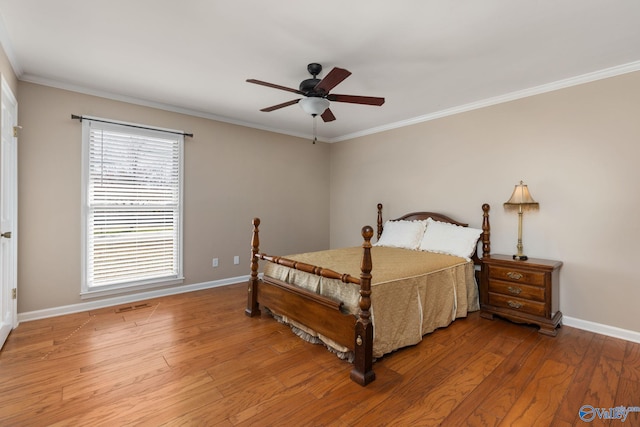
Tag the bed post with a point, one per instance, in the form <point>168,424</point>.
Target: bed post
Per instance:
<point>252,290</point>
<point>486,231</point>
<point>379,220</point>
<point>362,371</point>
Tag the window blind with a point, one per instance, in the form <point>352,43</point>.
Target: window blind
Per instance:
<point>133,205</point>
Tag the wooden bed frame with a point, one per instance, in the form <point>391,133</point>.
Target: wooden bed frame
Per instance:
<point>323,314</point>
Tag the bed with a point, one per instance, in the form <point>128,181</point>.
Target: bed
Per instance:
<point>423,278</point>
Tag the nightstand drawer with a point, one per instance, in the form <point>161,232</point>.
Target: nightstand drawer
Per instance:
<point>517,304</point>
<point>520,290</point>
<point>517,275</point>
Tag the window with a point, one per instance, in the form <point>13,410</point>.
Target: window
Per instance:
<point>132,207</point>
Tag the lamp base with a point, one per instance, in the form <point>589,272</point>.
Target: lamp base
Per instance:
<point>520,257</point>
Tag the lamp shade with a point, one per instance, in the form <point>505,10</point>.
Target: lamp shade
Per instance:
<point>521,196</point>
<point>314,105</point>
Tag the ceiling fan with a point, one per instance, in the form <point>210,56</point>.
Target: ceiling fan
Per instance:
<point>316,93</point>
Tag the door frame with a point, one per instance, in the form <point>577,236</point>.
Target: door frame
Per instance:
<point>8,211</point>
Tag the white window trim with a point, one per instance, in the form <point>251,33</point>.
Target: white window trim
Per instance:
<point>86,291</point>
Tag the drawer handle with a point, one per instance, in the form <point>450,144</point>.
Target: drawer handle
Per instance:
<point>514,275</point>
<point>515,291</point>
<point>514,304</point>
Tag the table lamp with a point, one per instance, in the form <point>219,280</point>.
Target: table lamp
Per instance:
<point>520,198</point>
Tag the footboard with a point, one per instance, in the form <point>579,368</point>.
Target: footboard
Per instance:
<point>308,308</point>
<point>316,311</point>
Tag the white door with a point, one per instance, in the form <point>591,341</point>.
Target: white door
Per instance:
<point>8,212</point>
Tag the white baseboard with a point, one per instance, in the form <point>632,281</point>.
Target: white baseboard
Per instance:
<point>599,328</point>
<point>124,299</point>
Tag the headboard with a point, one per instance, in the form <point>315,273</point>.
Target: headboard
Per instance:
<point>485,237</point>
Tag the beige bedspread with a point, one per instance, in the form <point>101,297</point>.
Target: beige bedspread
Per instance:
<point>412,292</point>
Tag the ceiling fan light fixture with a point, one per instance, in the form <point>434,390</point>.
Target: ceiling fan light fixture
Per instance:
<point>314,105</point>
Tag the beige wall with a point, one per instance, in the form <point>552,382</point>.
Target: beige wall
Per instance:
<point>578,149</point>
<point>232,174</point>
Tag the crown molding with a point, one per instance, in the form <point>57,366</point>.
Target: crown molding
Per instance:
<point>525,93</point>
<point>152,104</point>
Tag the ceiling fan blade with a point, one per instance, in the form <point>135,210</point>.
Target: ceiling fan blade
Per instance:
<point>275,86</point>
<point>354,99</point>
<point>284,104</point>
<point>328,116</point>
<point>331,80</point>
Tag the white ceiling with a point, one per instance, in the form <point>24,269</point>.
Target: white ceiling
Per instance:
<point>426,57</point>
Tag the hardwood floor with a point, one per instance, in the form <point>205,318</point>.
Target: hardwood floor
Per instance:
<point>196,359</point>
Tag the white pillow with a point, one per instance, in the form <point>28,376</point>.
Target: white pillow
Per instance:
<point>451,239</point>
<point>402,234</point>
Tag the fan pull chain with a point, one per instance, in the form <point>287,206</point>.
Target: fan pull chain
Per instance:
<point>315,137</point>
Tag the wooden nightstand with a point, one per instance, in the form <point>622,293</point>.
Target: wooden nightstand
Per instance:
<point>521,291</point>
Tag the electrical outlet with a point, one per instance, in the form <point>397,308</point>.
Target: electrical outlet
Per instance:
<point>214,263</point>
<point>236,260</point>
